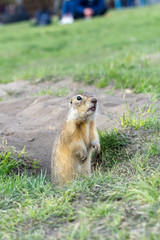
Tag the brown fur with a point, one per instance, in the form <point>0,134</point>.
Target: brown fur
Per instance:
<point>78,136</point>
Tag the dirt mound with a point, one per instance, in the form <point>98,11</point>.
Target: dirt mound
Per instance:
<point>27,119</point>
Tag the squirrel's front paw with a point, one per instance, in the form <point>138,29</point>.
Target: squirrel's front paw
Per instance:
<point>82,156</point>
<point>96,146</point>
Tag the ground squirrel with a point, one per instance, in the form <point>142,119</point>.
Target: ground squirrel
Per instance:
<point>78,137</point>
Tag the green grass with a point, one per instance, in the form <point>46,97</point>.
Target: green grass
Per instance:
<point>103,207</point>
<point>113,147</point>
<point>142,118</point>
<point>59,93</point>
<point>114,48</point>
<point>13,161</point>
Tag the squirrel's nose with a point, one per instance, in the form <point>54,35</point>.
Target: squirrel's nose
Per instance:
<point>94,100</point>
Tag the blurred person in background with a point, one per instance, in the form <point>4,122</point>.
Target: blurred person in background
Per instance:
<point>43,17</point>
<point>74,9</point>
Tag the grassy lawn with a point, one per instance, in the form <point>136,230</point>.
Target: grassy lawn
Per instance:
<point>121,47</point>
<point>121,200</point>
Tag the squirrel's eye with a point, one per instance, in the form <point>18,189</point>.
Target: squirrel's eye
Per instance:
<point>79,98</point>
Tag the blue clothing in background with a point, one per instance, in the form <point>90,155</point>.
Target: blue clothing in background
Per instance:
<point>76,7</point>
<point>68,7</point>
<point>97,6</point>
<point>43,17</point>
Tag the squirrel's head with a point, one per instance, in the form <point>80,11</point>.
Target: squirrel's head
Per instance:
<point>83,107</point>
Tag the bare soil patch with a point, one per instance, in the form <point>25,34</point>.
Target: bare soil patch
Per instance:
<point>27,119</point>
